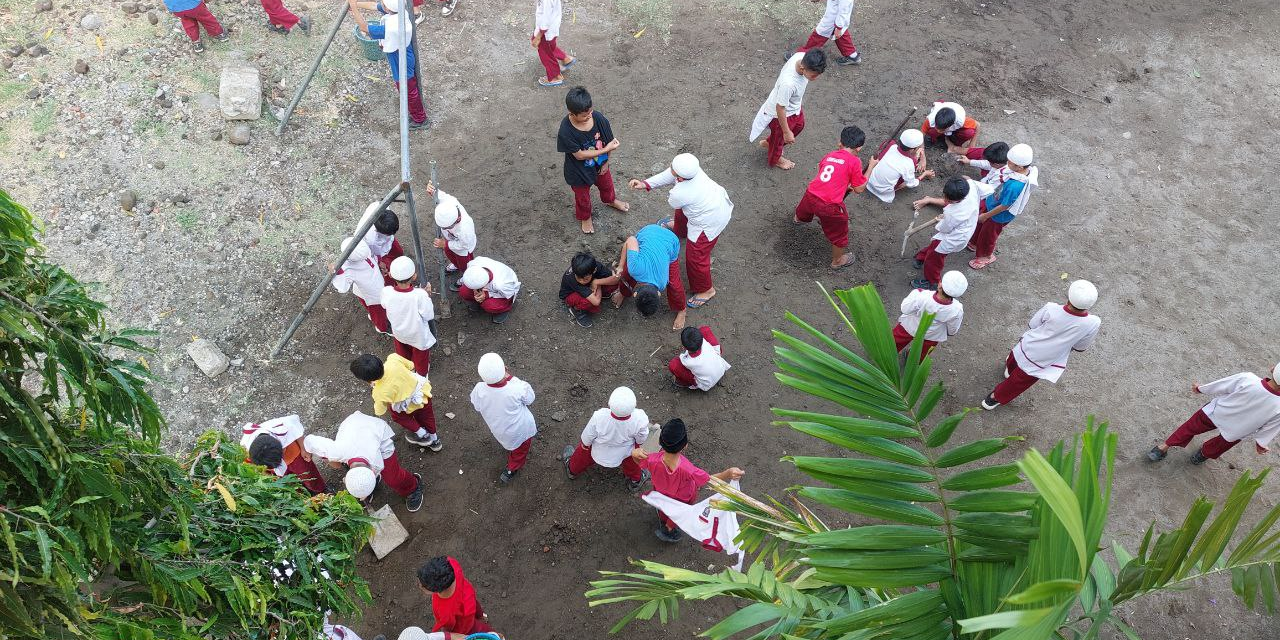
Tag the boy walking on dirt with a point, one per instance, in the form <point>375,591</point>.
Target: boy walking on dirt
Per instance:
<point>281,20</point>
<point>457,232</point>
<point>584,286</point>
<point>834,25</point>
<point>393,38</point>
<point>673,475</point>
<point>608,439</point>
<point>945,306</point>
<point>411,314</point>
<point>1017,181</point>
<point>359,275</point>
<point>546,30</point>
<point>700,366</point>
<point>902,166</point>
<point>1243,406</point>
<point>960,200</point>
<point>503,401</point>
<point>586,140</point>
<point>407,395</point>
<point>839,172</point>
<point>782,113</point>
<point>453,599</point>
<point>194,14</point>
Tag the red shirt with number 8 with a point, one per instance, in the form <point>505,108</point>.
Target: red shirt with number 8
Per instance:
<point>838,172</point>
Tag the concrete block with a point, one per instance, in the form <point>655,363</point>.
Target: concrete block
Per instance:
<point>240,93</point>
<point>208,357</point>
<point>388,533</point>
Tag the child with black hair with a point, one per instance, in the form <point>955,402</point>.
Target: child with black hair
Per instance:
<point>453,599</point>
<point>381,238</point>
<point>584,286</point>
<point>960,201</point>
<point>546,30</point>
<point>649,265</point>
<point>839,172</point>
<point>407,395</point>
<point>1017,180</point>
<point>277,445</point>
<point>700,366</point>
<point>586,140</point>
<point>948,122</point>
<point>782,112</point>
<point>410,314</point>
<point>988,160</point>
<point>673,475</point>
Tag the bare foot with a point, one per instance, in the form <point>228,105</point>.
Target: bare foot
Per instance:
<point>764,143</point>
<point>844,260</point>
<point>784,164</point>
<point>617,299</point>
<point>679,323</point>
<point>619,205</point>
<point>586,225</point>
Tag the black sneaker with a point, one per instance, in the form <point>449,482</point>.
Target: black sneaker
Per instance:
<point>635,485</point>
<point>414,502</point>
<point>918,264</point>
<point>222,37</point>
<point>430,441</point>
<point>921,283</point>
<point>667,535</point>
<point>447,7</point>
<point>583,319</point>
<point>304,23</point>
<point>379,637</point>
<point>856,58</point>
<point>455,285</point>
<point>276,29</point>
<point>197,46</point>
<point>506,476</point>
<point>1156,454</point>
<point>565,455</point>
<point>420,126</point>
<point>501,317</point>
<point>1198,457</point>
<point>989,403</point>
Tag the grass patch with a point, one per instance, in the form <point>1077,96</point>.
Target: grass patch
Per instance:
<point>150,126</point>
<point>43,118</point>
<point>187,219</point>
<point>10,90</point>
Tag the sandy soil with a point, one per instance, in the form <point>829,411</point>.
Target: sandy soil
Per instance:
<point>1149,122</point>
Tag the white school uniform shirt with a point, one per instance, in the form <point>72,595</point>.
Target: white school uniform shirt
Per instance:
<point>995,176</point>
<point>408,313</point>
<point>285,430</point>
<point>837,16</point>
<point>504,283</point>
<point>946,316</point>
<point>612,440</point>
<point>704,202</point>
<point>788,92</point>
<point>1243,407</point>
<point>461,237</point>
<point>959,219</point>
<point>1032,180</point>
<point>396,39</point>
<point>707,367</point>
<point>1053,334</point>
<point>546,17</point>
<point>893,166</point>
<point>360,437</point>
<point>379,243</point>
<point>506,410</point>
<point>360,275</point>
<point>714,528</point>
<point>959,111</point>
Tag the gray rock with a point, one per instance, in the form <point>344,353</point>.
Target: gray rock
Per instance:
<point>37,51</point>
<point>179,197</point>
<point>44,5</point>
<point>240,93</point>
<point>215,135</point>
<point>239,135</point>
<point>558,416</point>
<point>33,93</point>
<point>206,102</point>
<point>208,357</point>
<point>15,50</point>
<point>82,67</point>
<point>6,63</point>
<point>128,199</point>
<point>153,18</point>
<point>91,21</point>
<point>129,7</point>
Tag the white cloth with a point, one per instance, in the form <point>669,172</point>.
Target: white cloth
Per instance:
<point>995,176</point>
<point>1243,407</point>
<point>339,632</point>
<point>504,283</point>
<point>612,440</point>
<point>946,317</point>
<point>395,38</point>
<point>1053,335</point>
<point>959,219</point>
<point>788,92</point>
<point>546,17</point>
<point>894,166</point>
<point>362,278</point>
<point>705,203</point>
<point>379,243</point>
<point>960,116</point>
<point>506,410</point>
<point>408,313</point>
<point>1032,180</point>
<point>837,16</point>
<point>359,436</point>
<point>707,367</point>
<point>461,238</point>
<point>285,430</point>
<point>714,528</point>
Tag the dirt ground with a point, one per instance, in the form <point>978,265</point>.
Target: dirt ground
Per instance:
<point>1142,114</point>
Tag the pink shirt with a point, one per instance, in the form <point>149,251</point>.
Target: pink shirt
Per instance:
<point>837,172</point>
<point>681,484</point>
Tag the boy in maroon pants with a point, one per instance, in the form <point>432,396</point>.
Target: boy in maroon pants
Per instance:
<point>586,140</point>
<point>673,475</point>
<point>584,286</point>
<point>393,38</point>
<point>700,365</point>
<point>960,200</point>
<point>281,20</point>
<point>396,388</point>
<point>546,31</point>
<point>194,14</point>
<point>782,113</point>
<point>839,172</point>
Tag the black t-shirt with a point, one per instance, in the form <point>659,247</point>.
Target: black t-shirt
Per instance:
<point>569,284</point>
<point>580,173</point>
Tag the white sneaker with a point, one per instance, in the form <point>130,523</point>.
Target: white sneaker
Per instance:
<point>989,403</point>
<point>448,7</point>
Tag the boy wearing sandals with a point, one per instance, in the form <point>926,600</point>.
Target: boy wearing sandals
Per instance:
<point>586,140</point>
<point>1018,180</point>
<point>546,30</point>
<point>673,475</point>
<point>702,211</point>
<point>838,173</point>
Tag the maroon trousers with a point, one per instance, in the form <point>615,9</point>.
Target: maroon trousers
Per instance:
<point>309,475</point>
<point>796,123</point>
<point>459,262</point>
<point>902,339</point>
<point>1017,382</point>
<point>576,301</point>
<point>581,461</point>
<point>551,56</point>
<point>421,357</point>
<point>193,19</point>
<point>582,194</point>
<point>402,482</point>
<point>933,262</point>
<point>491,305</point>
<point>417,112</point>
<point>278,15</point>
<point>984,238</point>
<point>517,457</point>
<point>697,254</point>
<point>423,418</point>
<point>682,373</point>
<point>1197,424</point>
<point>844,43</point>
<point>377,315</point>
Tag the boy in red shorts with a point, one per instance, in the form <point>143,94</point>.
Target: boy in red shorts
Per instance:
<point>673,475</point>
<point>947,121</point>
<point>453,599</point>
<point>838,173</point>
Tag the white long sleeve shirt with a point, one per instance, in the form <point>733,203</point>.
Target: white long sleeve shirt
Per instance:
<point>504,283</point>
<point>707,366</point>
<point>612,440</point>
<point>1243,407</point>
<point>379,243</point>
<point>408,313</point>
<point>360,438</point>
<point>360,275</point>
<point>838,15</point>
<point>959,219</point>
<point>505,409</point>
<point>1032,180</point>
<point>894,166</point>
<point>546,18</point>
<point>461,237</point>
<point>704,202</point>
<point>1053,334</point>
<point>947,316</point>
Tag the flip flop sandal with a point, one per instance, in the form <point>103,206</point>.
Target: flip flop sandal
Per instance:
<point>545,83</point>
<point>664,222</point>
<point>568,64</point>
<point>843,266</point>
<point>696,302</point>
<point>981,263</point>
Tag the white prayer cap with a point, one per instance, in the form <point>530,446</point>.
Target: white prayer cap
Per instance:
<point>491,368</point>
<point>361,252</point>
<point>475,277</point>
<point>402,268</point>
<point>360,482</point>
<point>447,214</point>
<point>1275,373</point>
<point>686,166</point>
<point>1082,294</point>
<point>392,6</point>
<point>1020,154</point>
<point>911,138</point>
<point>369,211</point>
<point>416,633</point>
<point>622,402</point>
<point>954,284</point>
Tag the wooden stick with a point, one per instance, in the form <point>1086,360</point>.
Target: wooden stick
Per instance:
<point>1080,95</point>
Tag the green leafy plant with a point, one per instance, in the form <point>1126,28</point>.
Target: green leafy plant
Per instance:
<point>965,545</point>
<point>102,535</point>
